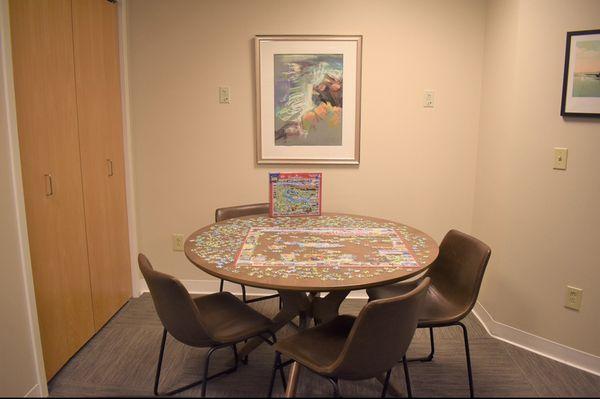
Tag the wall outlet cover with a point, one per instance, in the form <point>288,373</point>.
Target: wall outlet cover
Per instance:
<point>573,298</point>
<point>178,242</point>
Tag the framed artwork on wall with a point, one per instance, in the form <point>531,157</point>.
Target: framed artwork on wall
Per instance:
<point>581,82</point>
<point>308,99</point>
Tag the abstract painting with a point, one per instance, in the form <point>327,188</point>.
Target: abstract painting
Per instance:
<point>308,99</point>
<point>581,85</point>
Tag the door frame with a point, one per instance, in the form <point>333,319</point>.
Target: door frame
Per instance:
<point>10,111</point>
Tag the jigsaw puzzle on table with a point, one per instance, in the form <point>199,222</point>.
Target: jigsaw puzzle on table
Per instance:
<point>325,246</point>
<point>295,194</point>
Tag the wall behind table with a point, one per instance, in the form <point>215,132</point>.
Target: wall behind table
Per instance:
<point>192,154</point>
<point>542,224</point>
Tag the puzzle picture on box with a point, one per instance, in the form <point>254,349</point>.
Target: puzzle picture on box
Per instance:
<point>331,247</point>
<point>295,194</point>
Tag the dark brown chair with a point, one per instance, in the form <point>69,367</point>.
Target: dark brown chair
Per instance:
<point>213,321</point>
<point>456,277</point>
<point>357,348</point>
<point>239,211</point>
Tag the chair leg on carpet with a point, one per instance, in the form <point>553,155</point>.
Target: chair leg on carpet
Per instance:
<point>429,357</point>
<point>468,355</point>
<point>205,378</point>
<point>221,285</point>
<point>244,293</point>
<point>160,358</point>
<point>205,375</point>
<point>336,388</point>
<point>407,377</point>
<point>386,383</point>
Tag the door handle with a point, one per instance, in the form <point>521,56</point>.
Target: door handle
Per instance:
<point>49,185</point>
<point>111,171</point>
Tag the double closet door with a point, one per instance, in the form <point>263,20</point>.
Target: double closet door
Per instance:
<point>68,100</point>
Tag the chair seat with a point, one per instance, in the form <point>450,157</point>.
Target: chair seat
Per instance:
<point>228,319</point>
<point>319,347</point>
<point>435,311</point>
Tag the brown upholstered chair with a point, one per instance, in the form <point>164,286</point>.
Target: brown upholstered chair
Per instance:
<point>456,277</point>
<point>213,321</point>
<point>235,212</point>
<point>357,348</point>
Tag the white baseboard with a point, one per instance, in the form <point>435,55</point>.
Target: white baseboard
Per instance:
<point>34,392</point>
<point>541,346</point>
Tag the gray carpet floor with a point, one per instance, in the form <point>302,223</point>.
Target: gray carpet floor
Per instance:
<point>121,361</point>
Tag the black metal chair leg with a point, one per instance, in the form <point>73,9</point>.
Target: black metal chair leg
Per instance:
<point>386,383</point>
<point>336,388</point>
<point>407,377</point>
<point>160,358</point>
<point>221,285</point>
<point>205,374</point>
<point>235,357</point>
<point>244,293</point>
<point>468,355</point>
<point>283,381</point>
<point>193,384</point>
<point>432,342</point>
<point>429,357</point>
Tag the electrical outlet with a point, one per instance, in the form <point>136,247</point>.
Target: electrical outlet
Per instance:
<point>560,158</point>
<point>574,298</point>
<point>429,99</point>
<point>224,97</point>
<point>178,242</point>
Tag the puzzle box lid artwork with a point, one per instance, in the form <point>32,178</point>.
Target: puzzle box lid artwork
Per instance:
<point>295,194</point>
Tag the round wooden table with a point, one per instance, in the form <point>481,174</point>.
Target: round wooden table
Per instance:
<point>301,257</point>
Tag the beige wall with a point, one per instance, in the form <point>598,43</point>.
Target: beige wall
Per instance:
<point>542,224</point>
<point>192,155</point>
<point>17,366</point>
<point>435,169</point>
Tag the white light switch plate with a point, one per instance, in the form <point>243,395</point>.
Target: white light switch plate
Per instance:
<point>574,298</point>
<point>429,99</point>
<point>224,97</point>
<point>178,242</point>
<point>560,158</point>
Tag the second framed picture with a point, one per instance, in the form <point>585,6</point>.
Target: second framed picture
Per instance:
<point>581,82</point>
<point>308,99</point>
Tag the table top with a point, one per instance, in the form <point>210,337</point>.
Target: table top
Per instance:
<point>313,253</point>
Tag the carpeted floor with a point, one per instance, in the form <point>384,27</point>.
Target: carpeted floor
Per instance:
<point>121,361</point>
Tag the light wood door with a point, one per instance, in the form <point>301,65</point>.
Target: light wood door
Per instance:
<point>95,32</point>
<point>42,48</point>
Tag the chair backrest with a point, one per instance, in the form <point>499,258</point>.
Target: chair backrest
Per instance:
<point>176,309</point>
<point>241,210</point>
<point>380,335</point>
<point>458,270</point>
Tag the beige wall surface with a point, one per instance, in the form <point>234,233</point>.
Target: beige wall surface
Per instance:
<point>17,367</point>
<point>192,155</point>
<point>542,224</point>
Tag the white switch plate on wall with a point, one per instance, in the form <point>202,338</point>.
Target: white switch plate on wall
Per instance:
<point>178,242</point>
<point>560,158</point>
<point>224,97</point>
<point>574,298</point>
<point>429,99</point>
